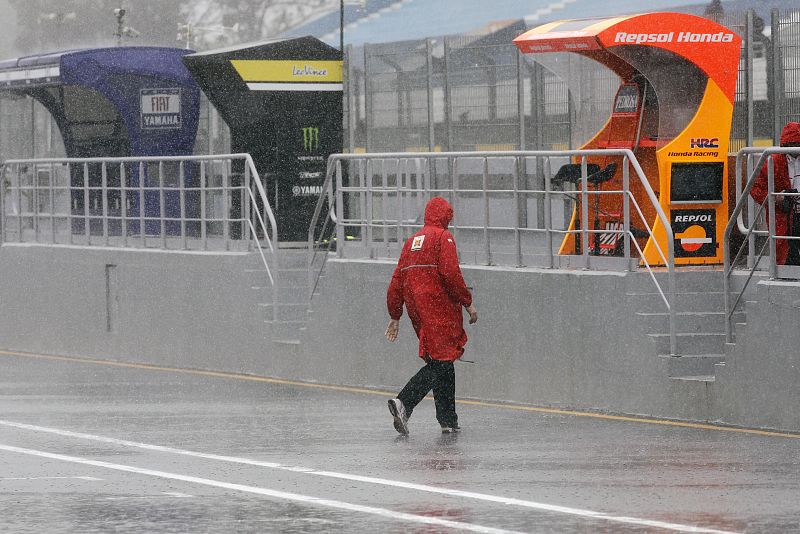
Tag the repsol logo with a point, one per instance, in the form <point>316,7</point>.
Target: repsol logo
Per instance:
<point>702,142</point>
<point>692,218</point>
<point>683,37</point>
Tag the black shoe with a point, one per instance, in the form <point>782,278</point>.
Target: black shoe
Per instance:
<point>398,411</point>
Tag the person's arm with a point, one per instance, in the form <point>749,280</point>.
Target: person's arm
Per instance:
<point>394,303</point>
<point>392,330</point>
<point>473,314</point>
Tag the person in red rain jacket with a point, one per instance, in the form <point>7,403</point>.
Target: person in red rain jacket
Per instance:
<point>787,209</point>
<point>428,281</point>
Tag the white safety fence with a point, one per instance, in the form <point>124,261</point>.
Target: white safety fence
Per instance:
<point>199,203</point>
<point>511,208</point>
<point>756,223</point>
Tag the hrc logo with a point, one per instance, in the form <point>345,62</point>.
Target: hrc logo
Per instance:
<point>702,142</point>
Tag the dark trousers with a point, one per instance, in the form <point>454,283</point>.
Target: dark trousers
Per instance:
<point>439,377</point>
<point>794,245</point>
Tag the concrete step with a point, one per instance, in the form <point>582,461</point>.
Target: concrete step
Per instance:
<point>686,322</point>
<point>691,343</point>
<point>284,311</point>
<point>702,301</point>
<point>292,258</point>
<point>707,379</point>
<point>287,341</point>
<point>695,367</point>
<point>686,281</point>
<point>290,293</point>
<point>283,330</point>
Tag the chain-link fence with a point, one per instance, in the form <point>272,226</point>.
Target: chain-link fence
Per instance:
<point>786,28</point>
<point>479,93</point>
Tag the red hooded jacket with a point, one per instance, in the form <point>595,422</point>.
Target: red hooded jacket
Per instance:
<point>428,281</point>
<point>783,219</point>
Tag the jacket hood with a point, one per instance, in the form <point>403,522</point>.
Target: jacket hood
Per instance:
<point>438,212</point>
<point>790,133</point>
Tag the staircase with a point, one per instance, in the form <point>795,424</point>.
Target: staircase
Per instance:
<point>700,320</point>
<point>284,306</point>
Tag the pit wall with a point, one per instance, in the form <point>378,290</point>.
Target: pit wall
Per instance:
<point>545,337</point>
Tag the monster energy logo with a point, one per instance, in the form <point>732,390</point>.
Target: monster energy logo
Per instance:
<point>310,138</point>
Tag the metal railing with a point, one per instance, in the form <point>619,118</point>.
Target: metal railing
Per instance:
<point>199,203</point>
<point>376,218</point>
<point>755,159</point>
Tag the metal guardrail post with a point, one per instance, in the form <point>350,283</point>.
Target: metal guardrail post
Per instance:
<point>52,204</point>
<point>182,200</point>
<point>341,235</point>
<point>584,214</point>
<point>456,184</point>
<point>86,227</point>
<point>400,204</point>
<point>517,213</point>
<point>370,210</point>
<point>626,209</point>
<point>35,202</point>
<point>486,222</point>
<point>203,201</point>
<point>104,200</point>
<point>3,208</point>
<point>548,215</point>
<point>384,202</point>
<point>123,193</point>
<point>226,207</point>
<point>162,205</point>
<point>142,219</point>
<point>751,218</point>
<point>773,264</point>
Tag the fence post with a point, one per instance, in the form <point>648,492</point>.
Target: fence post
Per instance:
<point>3,219</point>
<point>431,120</point>
<point>486,220</point>
<point>773,264</point>
<point>548,215</point>
<point>522,181</point>
<point>749,74</point>
<point>142,221</point>
<point>367,101</point>
<point>351,101</point>
<point>777,79</point>
<point>448,96</point>
<point>104,199</point>
<point>626,210</point>
<point>86,221</point>
<point>123,193</point>
<point>584,214</point>
<point>162,205</point>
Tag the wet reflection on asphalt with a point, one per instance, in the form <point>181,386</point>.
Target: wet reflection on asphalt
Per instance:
<point>337,447</point>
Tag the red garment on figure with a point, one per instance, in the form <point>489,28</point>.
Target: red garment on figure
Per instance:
<point>783,219</point>
<point>428,280</point>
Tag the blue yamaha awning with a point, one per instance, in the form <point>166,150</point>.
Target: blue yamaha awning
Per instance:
<point>124,101</point>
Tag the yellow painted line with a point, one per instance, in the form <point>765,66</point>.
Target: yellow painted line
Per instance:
<point>382,393</point>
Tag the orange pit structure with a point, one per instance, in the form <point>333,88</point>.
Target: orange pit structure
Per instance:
<point>673,109</point>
